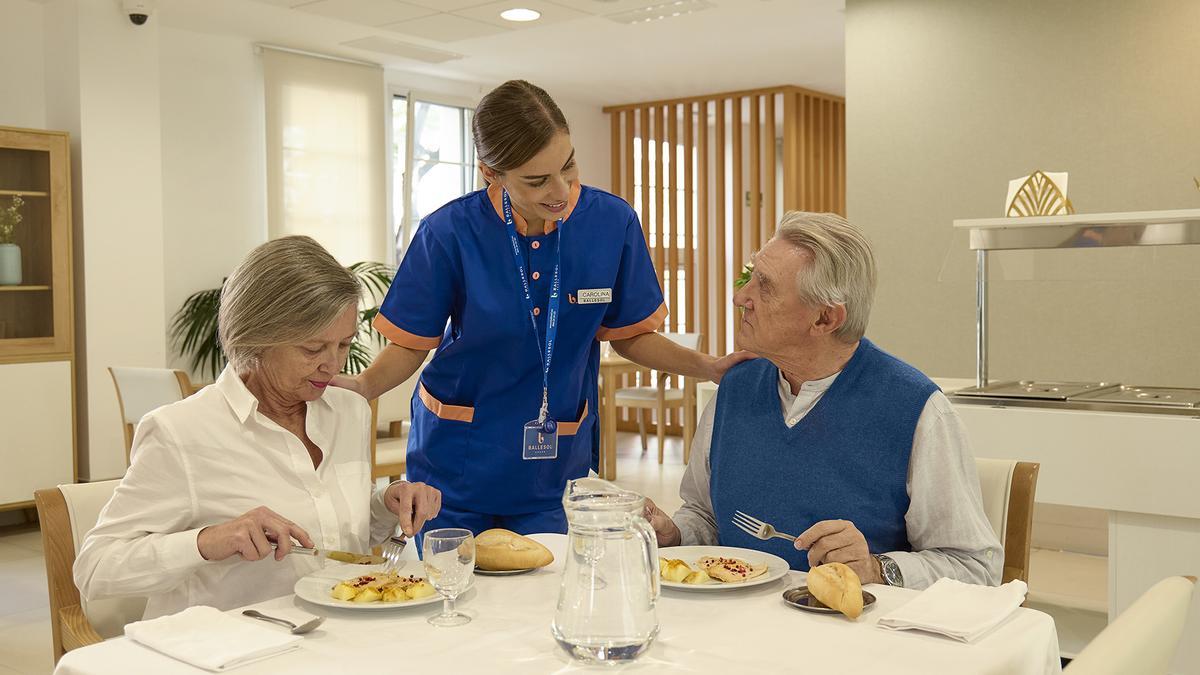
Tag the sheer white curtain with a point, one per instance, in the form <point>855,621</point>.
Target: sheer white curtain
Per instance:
<point>326,162</point>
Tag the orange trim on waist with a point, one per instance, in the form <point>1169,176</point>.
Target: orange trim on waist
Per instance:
<point>522,226</point>
<point>646,325</point>
<point>402,337</point>
<point>572,428</point>
<point>457,413</point>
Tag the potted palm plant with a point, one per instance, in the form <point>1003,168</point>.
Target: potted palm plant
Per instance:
<point>194,326</point>
<point>10,253</point>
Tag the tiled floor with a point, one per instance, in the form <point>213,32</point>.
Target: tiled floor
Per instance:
<point>24,611</point>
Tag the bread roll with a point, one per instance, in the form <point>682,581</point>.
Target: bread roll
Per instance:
<point>837,587</point>
<point>498,550</point>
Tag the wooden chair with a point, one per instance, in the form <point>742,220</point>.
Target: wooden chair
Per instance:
<point>140,390</point>
<point>389,455</point>
<point>1008,490</point>
<point>660,397</point>
<point>1144,637</point>
<point>66,513</point>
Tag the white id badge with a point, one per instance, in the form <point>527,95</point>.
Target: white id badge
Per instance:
<point>539,443</point>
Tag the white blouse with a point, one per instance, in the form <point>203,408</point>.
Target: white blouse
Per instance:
<point>211,458</point>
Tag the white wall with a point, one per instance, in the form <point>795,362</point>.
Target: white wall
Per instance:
<point>213,163</point>
<point>22,74</point>
<point>947,101</point>
<point>103,86</point>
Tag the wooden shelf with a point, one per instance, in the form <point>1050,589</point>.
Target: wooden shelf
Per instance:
<point>23,193</point>
<point>11,289</point>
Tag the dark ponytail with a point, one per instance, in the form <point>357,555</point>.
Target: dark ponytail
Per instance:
<point>513,123</point>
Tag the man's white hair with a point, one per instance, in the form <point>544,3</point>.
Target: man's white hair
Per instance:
<point>842,269</point>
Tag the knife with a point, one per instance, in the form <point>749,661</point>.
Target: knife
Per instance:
<point>339,556</point>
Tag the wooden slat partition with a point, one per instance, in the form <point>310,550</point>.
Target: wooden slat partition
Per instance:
<point>702,238</point>
<point>672,217</point>
<point>738,193</point>
<point>627,187</point>
<point>659,194</point>
<point>684,161</point>
<point>719,232</point>
<point>768,140</point>
<point>754,203</point>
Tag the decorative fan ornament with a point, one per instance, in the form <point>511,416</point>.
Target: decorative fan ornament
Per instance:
<point>1039,196</point>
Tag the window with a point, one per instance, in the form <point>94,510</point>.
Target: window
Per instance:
<point>326,159</point>
<point>433,159</point>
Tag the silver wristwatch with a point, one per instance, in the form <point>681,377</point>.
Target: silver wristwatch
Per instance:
<point>891,571</point>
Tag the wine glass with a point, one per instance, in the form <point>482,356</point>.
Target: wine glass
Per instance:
<point>449,558</point>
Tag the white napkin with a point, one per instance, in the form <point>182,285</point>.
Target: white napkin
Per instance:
<point>208,638</point>
<point>954,609</point>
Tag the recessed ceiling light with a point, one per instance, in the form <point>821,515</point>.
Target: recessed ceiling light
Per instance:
<point>520,14</point>
<point>662,10</point>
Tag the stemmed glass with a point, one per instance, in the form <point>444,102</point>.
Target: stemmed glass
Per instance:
<point>449,558</point>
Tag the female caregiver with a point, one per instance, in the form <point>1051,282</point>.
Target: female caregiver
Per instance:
<point>516,286</point>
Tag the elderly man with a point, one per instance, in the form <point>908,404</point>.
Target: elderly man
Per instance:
<point>827,435</point>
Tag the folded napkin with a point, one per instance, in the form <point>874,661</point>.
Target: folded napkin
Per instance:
<point>954,609</point>
<point>208,638</point>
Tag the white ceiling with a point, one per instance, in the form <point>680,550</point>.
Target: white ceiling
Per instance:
<point>573,50</point>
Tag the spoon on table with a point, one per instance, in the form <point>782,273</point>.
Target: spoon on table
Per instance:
<point>296,630</point>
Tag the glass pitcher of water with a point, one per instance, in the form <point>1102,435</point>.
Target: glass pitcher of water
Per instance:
<point>606,605</point>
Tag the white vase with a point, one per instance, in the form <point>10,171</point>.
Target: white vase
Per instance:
<point>10,265</point>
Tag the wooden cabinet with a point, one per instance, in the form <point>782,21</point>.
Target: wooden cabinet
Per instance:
<point>37,336</point>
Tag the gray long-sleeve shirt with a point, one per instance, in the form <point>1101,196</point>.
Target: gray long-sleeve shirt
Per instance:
<point>947,527</point>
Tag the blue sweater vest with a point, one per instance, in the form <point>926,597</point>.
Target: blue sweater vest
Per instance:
<point>847,459</point>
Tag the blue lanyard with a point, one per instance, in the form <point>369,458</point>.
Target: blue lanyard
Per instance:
<point>552,308</point>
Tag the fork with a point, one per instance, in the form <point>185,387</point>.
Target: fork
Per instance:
<point>392,548</point>
<point>757,528</point>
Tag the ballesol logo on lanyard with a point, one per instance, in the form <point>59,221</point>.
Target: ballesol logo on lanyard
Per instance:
<point>540,435</point>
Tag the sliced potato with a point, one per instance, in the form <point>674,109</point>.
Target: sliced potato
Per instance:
<point>674,570</point>
<point>344,591</point>
<point>421,589</point>
<point>368,594</point>
<point>395,593</point>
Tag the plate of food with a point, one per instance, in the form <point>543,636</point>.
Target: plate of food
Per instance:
<point>717,568</point>
<point>348,587</point>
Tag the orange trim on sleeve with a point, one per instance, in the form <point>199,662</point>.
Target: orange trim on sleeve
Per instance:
<point>398,335</point>
<point>572,428</point>
<point>522,226</point>
<point>646,325</point>
<point>458,413</point>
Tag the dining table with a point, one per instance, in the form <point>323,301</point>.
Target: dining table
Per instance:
<point>740,630</point>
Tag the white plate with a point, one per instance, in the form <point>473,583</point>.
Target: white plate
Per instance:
<point>777,567</point>
<point>318,586</point>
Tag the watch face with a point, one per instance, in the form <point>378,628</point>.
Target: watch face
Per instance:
<point>891,572</point>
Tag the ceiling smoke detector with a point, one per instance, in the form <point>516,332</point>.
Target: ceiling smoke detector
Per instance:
<point>520,14</point>
<point>662,10</point>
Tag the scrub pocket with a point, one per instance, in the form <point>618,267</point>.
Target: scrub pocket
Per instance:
<point>439,440</point>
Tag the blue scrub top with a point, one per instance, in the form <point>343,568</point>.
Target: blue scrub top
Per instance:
<point>458,290</point>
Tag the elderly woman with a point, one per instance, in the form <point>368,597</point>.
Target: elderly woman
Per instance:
<point>222,483</point>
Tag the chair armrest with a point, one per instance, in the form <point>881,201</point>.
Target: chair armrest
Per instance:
<point>75,629</point>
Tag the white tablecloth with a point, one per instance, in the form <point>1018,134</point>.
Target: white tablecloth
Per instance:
<point>744,631</point>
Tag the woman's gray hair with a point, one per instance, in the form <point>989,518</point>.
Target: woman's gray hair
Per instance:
<point>842,270</point>
<point>284,292</point>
